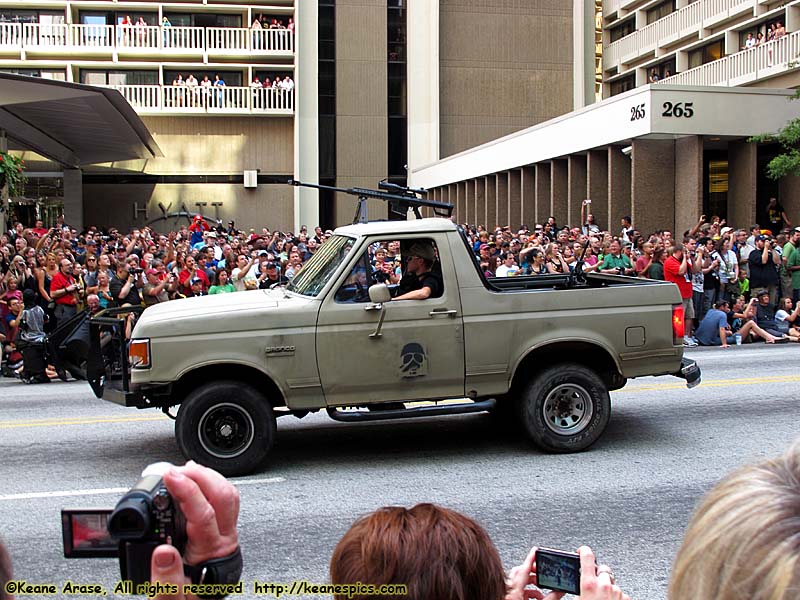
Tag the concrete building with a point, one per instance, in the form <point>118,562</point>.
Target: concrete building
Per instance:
<point>684,89</point>
<point>378,87</point>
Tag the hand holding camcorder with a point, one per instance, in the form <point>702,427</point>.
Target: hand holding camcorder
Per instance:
<point>189,513</point>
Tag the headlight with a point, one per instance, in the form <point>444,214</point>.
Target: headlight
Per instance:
<point>139,354</point>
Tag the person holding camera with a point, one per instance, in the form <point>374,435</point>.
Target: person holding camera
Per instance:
<point>678,268</point>
<point>763,263</point>
<point>615,262</point>
<point>65,291</point>
<point>125,287</point>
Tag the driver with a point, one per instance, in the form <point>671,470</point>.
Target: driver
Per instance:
<point>418,282</point>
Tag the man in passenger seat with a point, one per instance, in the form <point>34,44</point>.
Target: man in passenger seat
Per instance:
<point>418,282</point>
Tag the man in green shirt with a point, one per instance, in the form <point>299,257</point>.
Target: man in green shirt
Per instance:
<point>793,265</point>
<point>615,262</point>
<point>788,277</point>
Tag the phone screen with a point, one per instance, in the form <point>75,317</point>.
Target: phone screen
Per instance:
<point>556,570</point>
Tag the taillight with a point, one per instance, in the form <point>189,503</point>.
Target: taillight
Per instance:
<point>678,329</point>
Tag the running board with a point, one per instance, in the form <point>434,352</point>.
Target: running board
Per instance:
<point>410,413</point>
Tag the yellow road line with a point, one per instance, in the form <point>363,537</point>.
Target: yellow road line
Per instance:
<point>713,383</point>
<point>87,421</point>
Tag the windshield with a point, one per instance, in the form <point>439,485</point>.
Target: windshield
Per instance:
<point>310,280</point>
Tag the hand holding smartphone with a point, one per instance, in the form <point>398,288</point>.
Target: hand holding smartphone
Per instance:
<point>557,570</point>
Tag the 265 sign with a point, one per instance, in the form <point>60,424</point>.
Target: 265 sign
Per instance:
<point>678,109</point>
<point>638,112</point>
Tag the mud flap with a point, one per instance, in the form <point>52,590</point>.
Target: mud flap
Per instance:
<point>690,372</point>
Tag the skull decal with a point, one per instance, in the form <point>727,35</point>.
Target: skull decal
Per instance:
<point>415,362</point>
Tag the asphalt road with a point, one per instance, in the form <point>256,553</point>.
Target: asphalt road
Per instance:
<point>629,497</point>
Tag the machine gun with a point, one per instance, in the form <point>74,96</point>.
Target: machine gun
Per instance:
<point>400,201</point>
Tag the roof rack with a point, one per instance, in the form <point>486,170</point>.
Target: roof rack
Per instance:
<point>399,202</point>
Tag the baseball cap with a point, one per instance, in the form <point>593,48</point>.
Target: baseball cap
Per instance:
<point>797,229</point>
<point>271,265</point>
<point>725,230</point>
<point>196,280</point>
<point>212,234</point>
<point>151,272</point>
<point>198,217</point>
<point>761,238</point>
<point>263,253</point>
<point>762,293</point>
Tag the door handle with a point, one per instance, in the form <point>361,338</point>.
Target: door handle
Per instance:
<point>372,307</point>
<point>443,312</point>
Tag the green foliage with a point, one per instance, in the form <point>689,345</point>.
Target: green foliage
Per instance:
<point>788,161</point>
<point>12,170</point>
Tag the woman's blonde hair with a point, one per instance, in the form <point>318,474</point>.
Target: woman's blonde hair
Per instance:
<point>744,539</point>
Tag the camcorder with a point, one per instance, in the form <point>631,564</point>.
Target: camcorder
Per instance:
<point>144,518</point>
<point>136,271</point>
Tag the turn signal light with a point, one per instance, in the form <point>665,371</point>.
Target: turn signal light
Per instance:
<point>678,327</point>
<point>139,354</point>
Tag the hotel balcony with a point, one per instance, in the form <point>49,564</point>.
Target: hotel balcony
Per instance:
<point>227,100</point>
<point>683,24</point>
<point>29,39</point>
<point>745,67</point>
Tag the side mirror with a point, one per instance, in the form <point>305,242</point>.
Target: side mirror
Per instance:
<point>379,293</point>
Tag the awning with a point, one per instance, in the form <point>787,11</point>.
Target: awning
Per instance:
<point>70,123</point>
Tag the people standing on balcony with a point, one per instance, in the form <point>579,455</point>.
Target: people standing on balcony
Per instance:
<point>206,91</point>
<point>780,31</point>
<point>290,26</point>
<point>141,32</point>
<point>750,42</point>
<point>653,76</point>
<point>256,85</point>
<point>256,35</point>
<point>192,91</point>
<point>165,23</point>
<point>759,39</point>
<point>219,83</point>
<point>771,32</point>
<point>179,93</point>
<point>126,27</point>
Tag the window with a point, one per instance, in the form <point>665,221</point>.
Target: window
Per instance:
<point>706,54</point>
<point>92,77</point>
<point>660,11</point>
<point>203,20</point>
<point>620,30</point>
<point>56,74</point>
<point>623,85</point>
<point>231,78</point>
<point>388,261</point>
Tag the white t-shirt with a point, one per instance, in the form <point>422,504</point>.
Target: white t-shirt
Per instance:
<point>240,284</point>
<point>504,271</point>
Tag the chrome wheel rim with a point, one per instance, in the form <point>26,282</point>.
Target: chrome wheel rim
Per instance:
<point>225,430</point>
<point>567,409</point>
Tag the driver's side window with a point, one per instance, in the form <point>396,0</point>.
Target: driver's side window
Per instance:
<point>379,264</point>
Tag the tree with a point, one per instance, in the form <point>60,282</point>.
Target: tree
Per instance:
<point>788,161</point>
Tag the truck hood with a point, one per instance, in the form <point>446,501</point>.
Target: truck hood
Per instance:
<point>220,312</point>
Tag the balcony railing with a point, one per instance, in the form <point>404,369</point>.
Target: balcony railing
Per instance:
<point>761,62</point>
<point>165,99</point>
<point>687,21</point>
<point>39,37</point>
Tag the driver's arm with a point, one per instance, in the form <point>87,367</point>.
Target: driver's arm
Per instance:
<point>421,294</point>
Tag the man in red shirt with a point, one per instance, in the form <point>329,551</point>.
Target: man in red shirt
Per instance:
<point>65,291</point>
<point>678,269</point>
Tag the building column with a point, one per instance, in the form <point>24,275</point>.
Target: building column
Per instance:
<point>688,182</point>
<point>597,185</point>
<point>515,199</point>
<point>501,185</point>
<point>559,190</point>
<point>576,194</point>
<point>742,183</point>
<point>73,198</point>
<point>306,120</point>
<point>528,191</point>
<point>542,204</point>
<point>653,185</point>
<point>619,187</point>
<point>490,181</point>
<point>480,201</point>
<point>789,197</point>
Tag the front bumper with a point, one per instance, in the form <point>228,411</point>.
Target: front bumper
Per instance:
<point>690,371</point>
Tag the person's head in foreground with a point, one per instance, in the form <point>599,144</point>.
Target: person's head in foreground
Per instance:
<point>438,553</point>
<point>743,541</point>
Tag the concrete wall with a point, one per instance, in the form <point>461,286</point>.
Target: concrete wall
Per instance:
<point>503,67</point>
<point>619,188</point>
<point>742,183</point>
<point>361,105</point>
<point>653,185</point>
<point>688,182</point>
<point>597,185</point>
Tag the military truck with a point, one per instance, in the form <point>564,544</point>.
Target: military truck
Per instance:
<point>541,351</point>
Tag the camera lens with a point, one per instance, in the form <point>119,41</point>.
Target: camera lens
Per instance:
<point>130,519</point>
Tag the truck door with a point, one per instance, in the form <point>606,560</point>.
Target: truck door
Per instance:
<point>419,352</point>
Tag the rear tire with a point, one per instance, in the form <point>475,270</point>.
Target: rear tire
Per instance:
<point>565,408</point>
<point>226,425</point>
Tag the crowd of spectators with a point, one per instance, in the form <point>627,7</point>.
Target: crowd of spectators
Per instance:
<point>745,282</point>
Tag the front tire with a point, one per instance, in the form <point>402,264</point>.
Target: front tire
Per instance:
<point>565,408</point>
<point>226,425</point>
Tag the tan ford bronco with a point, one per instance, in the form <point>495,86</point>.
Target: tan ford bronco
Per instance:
<point>541,351</point>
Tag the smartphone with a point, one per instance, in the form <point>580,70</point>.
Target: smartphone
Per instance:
<point>559,571</point>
